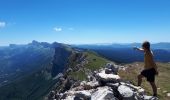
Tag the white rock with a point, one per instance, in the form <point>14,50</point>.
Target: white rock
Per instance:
<point>126,92</point>
<point>136,88</point>
<point>83,82</point>
<point>87,93</point>
<point>93,83</point>
<point>168,94</point>
<point>150,98</point>
<point>84,94</point>
<point>103,93</point>
<point>108,77</point>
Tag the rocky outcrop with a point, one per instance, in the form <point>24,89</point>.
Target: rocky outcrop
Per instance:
<point>103,93</point>
<point>103,77</point>
<point>105,85</point>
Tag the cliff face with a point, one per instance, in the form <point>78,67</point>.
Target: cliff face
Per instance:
<point>60,60</point>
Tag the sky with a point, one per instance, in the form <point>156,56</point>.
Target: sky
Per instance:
<point>84,21</point>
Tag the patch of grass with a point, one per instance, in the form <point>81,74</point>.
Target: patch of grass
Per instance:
<point>79,75</point>
<point>95,61</point>
<point>162,80</point>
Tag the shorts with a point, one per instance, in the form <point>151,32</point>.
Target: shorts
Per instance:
<point>149,74</point>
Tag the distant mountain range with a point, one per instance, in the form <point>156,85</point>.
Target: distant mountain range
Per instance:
<point>124,53</point>
<point>161,45</point>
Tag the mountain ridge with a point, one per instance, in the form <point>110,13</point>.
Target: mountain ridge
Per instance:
<point>36,79</point>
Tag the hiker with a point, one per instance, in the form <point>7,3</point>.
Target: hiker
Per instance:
<point>150,67</point>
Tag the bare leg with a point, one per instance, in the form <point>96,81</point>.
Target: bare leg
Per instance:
<point>154,88</point>
<point>140,80</point>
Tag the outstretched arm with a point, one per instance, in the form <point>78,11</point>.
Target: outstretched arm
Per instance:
<point>139,49</point>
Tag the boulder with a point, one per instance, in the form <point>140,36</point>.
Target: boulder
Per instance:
<point>111,67</point>
<point>138,92</point>
<point>104,78</point>
<point>134,88</point>
<point>126,92</point>
<point>168,94</point>
<point>103,93</point>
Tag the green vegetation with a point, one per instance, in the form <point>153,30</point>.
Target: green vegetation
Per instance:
<point>79,75</point>
<point>95,61</point>
<point>162,80</point>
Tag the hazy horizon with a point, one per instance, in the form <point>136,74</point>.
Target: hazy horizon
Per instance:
<point>121,43</point>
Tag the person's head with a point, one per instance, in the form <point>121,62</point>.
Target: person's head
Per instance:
<point>146,45</point>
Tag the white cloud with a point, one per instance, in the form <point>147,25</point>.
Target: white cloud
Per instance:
<point>58,29</point>
<point>2,24</point>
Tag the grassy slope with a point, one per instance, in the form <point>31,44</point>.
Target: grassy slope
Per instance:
<point>94,62</point>
<point>162,81</point>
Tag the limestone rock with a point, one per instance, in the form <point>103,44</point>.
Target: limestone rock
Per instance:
<point>150,98</point>
<point>105,78</point>
<point>126,93</point>
<point>103,93</point>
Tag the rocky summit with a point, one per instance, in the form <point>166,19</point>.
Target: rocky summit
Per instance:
<point>103,84</point>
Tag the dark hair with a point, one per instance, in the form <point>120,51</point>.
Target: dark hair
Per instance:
<point>146,45</point>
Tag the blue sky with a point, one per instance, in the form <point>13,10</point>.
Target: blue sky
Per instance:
<point>84,21</point>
